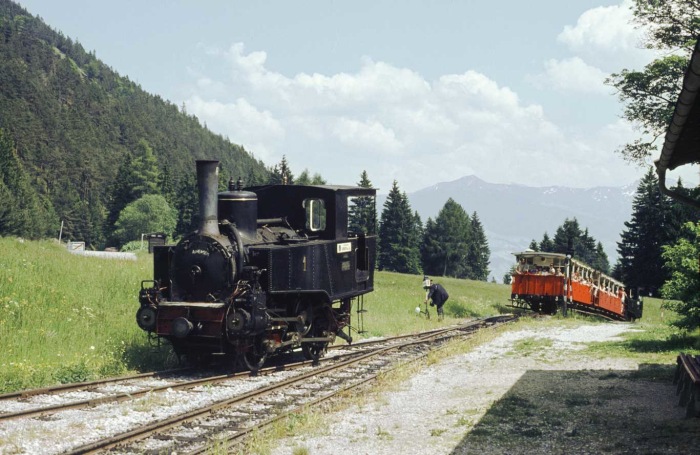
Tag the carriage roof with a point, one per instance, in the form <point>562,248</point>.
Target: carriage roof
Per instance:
<point>543,255</point>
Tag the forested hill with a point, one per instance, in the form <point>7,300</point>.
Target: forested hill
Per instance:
<point>68,122</point>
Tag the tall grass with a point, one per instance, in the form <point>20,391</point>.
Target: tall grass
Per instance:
<point>65,317</point>
<point>654,340</point>
<point>391,307</point>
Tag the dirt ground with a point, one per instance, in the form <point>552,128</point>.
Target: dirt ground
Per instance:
<point>528,391</point>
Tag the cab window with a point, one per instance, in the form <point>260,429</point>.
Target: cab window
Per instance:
<point>315,214</point>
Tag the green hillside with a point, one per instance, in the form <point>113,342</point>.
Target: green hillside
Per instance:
<point>68,122</point>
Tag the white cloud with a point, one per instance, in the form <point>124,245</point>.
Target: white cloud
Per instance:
<point>604,27</point>
<point>244,124</point>
<point>372,135</point>
<point>606,35</point>
<point>395,124</point>
<point>573,75</point>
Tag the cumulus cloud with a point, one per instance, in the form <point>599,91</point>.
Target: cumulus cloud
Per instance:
<point>393,123</point>
<point>573,75</point>
<point>607,35</point>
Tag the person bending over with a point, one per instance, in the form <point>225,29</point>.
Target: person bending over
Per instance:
<point>437,296</point>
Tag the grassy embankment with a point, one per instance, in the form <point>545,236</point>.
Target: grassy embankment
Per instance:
<point>66,318</point>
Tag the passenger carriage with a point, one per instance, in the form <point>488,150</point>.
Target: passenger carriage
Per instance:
<point>550,282</point>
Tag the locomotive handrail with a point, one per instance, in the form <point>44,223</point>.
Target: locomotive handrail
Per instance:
<point>280,220</point>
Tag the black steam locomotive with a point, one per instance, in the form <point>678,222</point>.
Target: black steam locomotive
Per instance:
<point>270,269</point>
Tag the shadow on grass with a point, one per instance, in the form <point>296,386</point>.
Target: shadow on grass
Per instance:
<point>507,309</point>
<point>459,310</point>
<point>150,356</point>
<point>585,411</point>
<point>670,344</point>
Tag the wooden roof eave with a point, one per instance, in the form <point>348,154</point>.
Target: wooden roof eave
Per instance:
<point>682,141</point>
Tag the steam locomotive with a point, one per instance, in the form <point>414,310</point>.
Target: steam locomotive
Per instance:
<point>269,269</point>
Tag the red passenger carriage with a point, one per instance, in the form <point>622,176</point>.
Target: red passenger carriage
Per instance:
<point>547,282</point>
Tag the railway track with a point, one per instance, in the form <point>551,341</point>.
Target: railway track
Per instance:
<point>193,411</point>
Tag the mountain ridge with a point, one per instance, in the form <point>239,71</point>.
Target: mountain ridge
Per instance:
<point>514,214</point>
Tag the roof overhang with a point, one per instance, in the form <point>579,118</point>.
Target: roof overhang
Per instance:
<point>682,141</point>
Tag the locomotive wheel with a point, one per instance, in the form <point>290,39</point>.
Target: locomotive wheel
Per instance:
<point>254,358</point>
<point>254,361</point>
<point>314,351</point>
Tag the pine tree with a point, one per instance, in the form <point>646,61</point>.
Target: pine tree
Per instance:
<point>363,211</point>
<point>546,244</point>
<point>398,251</point>
<point>144,172</point>
<point>281,174</point>
<point>570,239</point>
<point>644,235</point>
<point>566,236</point>
<point>303,178</point>
<point>186,205</point>
<point>479,252</point>
<point>446,243</point>
<point>166,185</point>
<point>601,261</point>
<point>27,213</point>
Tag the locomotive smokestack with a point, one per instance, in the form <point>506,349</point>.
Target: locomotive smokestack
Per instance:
<point>208,185</point>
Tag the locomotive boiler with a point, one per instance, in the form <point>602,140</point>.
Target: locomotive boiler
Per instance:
<point>269,269</point>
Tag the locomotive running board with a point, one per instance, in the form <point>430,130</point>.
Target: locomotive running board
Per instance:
<point>193,304</point>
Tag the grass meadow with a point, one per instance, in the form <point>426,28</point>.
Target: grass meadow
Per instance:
<point>66,318</point>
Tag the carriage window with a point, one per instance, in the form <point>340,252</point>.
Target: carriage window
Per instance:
<point>315,214</point>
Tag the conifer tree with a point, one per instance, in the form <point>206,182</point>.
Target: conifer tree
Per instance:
<point>27,214</point>
<point>446,243</point>
<point>186,205</point>
<point>570,239</point>
<point>303,178</point>
<point>363,211</point>
<point>479,252</point>
<point>546,243</point>
<point>281,174</point>
<point>398,250</point>
<point>144,172</point>
<point>166,185</point>
<point>640,245</point>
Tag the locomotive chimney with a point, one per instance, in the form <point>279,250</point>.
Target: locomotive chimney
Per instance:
<point>208,185</point>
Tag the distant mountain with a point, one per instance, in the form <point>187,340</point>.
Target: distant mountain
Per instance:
<point>513,215</point>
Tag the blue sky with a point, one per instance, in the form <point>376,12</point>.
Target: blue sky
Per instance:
<point>414,91</point>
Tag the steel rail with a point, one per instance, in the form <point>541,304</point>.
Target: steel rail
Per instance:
<point>146,430</point>
<point>87,385</point>
<point>119,397</point>
<point>240,435</point>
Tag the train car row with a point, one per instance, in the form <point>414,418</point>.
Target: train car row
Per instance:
<point>552,282</point>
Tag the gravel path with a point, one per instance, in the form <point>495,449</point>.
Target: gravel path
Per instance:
<point>546,396</point>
